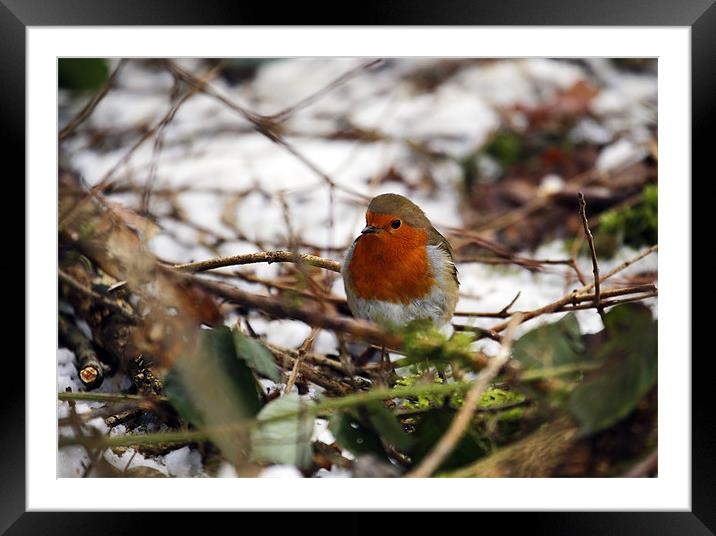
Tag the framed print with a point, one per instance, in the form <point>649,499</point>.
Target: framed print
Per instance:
<point>421,243</point>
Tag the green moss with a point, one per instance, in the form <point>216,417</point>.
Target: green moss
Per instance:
<point>495,397</point>
<point>417,374</point>
<point>634,226</point>
<point>424,343</point>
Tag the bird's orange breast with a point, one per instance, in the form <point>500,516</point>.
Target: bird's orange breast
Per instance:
<point>390,268</point>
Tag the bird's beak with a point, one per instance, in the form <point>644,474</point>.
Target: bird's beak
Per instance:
<point>368,229</point>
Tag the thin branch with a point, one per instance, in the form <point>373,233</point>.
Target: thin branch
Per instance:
<point>611,293</point>
<point>159,138</point>
<point>461,421</point>
<point>328,405</point>
<point>262,124</point>
<point>113,398</point>
<point>305,347</point>
<point>87,110</point>
<point>261,256</point>
<point>111,305</point>
<point>565,300</point>
<point>595,263</point>
<point>623,266</point>
<point>313,316</point>
<point>250,278</point>
<point>104,182</point>
<point>287,359</point>
<point>342,79</point>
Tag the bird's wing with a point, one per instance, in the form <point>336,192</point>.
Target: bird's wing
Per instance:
<point>436,239</point>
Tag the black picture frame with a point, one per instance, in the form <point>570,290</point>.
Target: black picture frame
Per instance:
<point>699,15</point>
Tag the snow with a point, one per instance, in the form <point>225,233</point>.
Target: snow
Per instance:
<point>321,432</point>
<point>280,471</point>
<point>209,145</point>
<point>620,154</point>
<point>183,462</point>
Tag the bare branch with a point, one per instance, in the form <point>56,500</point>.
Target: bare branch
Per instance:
<point>305,347</point>
<point>595,263</point>
<point>87,110</point>
<point>261,256</point>
<point>313,316</point>
<point>554,306</point>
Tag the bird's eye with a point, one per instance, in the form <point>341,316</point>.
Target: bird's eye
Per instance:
<point>395,224</point>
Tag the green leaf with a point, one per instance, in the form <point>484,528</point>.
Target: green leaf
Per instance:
<point>256,355</point>
<point>285,440</point>
<point>432,426</point>
<point>630,370</point>
<point>210,387</point>
<point>82,73</point>
<point>351,435</point>
<point>180,398</point>
<point>387,425</point>
<point>550,345</point>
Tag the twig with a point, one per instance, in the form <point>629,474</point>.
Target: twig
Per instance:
<point>507,307</point>
<point>87,110</point>
<point>266,126</point>
<point>111,305</point>
<point>459,424</point>
<point>305,347</point>
<point>342,79</point>
<point>335,300</point>
<point>122,417</point>
<point>159,139</point>
<point>90,369</point>
<point>314,317</point>
<point>554,306</point>
<point>609,303</point>
<point>261,256</point>
<point>623,266</point>
<point>111,397</point>
<point>287,358</point>
<point>595,263</point>
<point>104,182</point>
<point>328,405</point>
<point>316,359</point>
<point>611,293</point>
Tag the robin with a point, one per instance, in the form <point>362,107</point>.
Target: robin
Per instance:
<point>400,268</point>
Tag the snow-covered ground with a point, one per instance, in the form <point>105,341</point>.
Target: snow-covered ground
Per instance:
<point>208,145</point>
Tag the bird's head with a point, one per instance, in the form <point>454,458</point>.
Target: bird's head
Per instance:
<point>392,219</point>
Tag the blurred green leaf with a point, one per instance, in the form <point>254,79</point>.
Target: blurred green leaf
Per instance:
<point>180,398</point>
<point>284,440</point>
<point>550,345</point>
<point>82,73</point>
<point>432,426</point>
<point>211,387</point>
<point>388,426</point>
<point>256,355</point>
<point>357,439</point>
<point>630,369</point>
